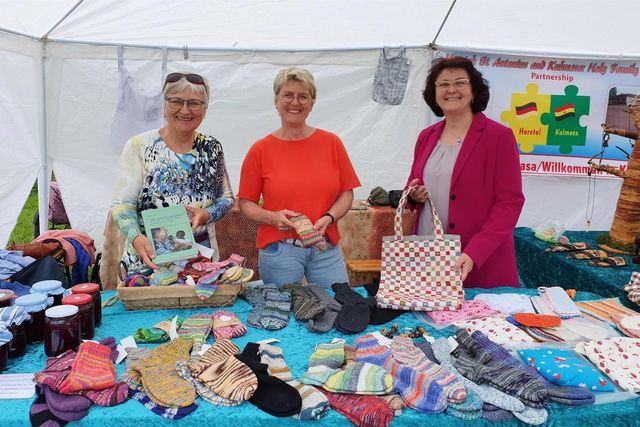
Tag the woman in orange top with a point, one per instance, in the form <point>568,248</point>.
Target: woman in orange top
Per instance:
<point>297,169</point>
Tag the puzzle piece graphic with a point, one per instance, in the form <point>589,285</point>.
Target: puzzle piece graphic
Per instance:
<point>524,117</point>
<point>563,119</point>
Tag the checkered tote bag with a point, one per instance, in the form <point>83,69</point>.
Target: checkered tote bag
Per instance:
<point>417,271</point>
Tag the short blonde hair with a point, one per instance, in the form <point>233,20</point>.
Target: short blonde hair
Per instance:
<point>296,74</point>
<point>184,84</point>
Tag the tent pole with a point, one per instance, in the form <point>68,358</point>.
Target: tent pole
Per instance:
<point>18,33</point>
<point>69,12</point>
<point>43,177</point>
<point>433,42</point>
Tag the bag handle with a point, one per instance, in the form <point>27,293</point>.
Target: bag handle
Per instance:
<point>437,224</point>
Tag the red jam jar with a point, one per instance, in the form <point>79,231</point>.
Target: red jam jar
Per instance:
<point>61,329</point>
<point>84,303</point>
<point>18,345</point>
<point>35,305</point>
<point>94,290</point>
<point>6,296</point>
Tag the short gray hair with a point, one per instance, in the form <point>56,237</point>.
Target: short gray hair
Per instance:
<point>184,84</point>
<point>296,74</point>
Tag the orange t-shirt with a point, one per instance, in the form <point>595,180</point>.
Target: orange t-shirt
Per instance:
<point>304,176</point>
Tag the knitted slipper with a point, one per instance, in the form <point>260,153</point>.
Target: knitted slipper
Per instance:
<point>537,320</point>
<point>567,247</point>
<point>588,254</point>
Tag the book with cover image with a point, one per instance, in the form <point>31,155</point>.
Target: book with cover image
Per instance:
<point>169,231</point>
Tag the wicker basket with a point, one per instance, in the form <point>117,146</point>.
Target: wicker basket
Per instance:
<point>176,296</point>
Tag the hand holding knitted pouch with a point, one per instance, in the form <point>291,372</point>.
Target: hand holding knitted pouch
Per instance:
<point>227,325</point>
<point>307,234</point>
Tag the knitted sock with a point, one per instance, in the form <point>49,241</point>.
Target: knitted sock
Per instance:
<point>355,313</point>
<point>136,281</point>
<point>255,315</point>
<point>196,328</point>
<point>205,290</point>
<point>365,411</point>
<point>110,396</point>
<point>380,316</point>
<point>275,314</point>
<point>92,369</point>
<point>223,374</point>
<point>535,416</point>
<point>470,409</point>
<point>308,235</point>
<point>395,402</point>
<point>130,376</point>
<point>425,347</point>
<point>314,404</point>
<point>172,413</point>
<point>306,305</point>
<point>499,415</point>
<point>203,391</point>
<point>324,322</point>
<point>158,373</point>
<point>405,353</point>
<point>368,349</point>
<point>417,389</point>
<point>227,325</point>
<point>361,378</point>
<point>67,408</point>
<point>273,395</point>
<point>349,355</point>
<point>150,335</point>
<point>40,414</point>
<point>165,325</point>
<point>537,320</point>
<point>328,354</point>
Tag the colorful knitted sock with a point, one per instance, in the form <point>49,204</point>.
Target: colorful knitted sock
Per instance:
<point>256,296</point>
<point>171,413</point>
<point>196,328</point>
<point>110,396</point>
<point>92,369</point>
<point>226,325</point>
<point>66,407</point>
<point>150,335</point>
<point>368,349</point>
<point>136,281</point>
<point>361,410</point>
<point>361,378</point>
<point>224,374</point>
<point>470,409</point>
<point>130,376</point>
<point>308,235</point>
<point>324,322</point>
<point>314,404</point>
<point>203,391</point>
<point>273,395</point>
<point>418,390</point>
<point>405,353</point>
<point>41,415</point>
<point>535,416</point>
<point>56,370</point>
<point>306,305</point>
<point>349,355</point>
<point>355,313</point>
<point>328,354</point>
<point>275,314</point>
<point>205,290</point>
<point>158,373</point>
<point>396,403</point>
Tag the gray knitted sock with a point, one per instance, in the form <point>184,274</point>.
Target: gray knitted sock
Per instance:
<point>306,305</point>
<point>130,377</point>
<point>534,416</point>
<point>275,314</point>
<point>325,322</point>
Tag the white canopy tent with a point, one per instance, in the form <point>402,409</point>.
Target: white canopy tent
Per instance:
<point>59,78</point>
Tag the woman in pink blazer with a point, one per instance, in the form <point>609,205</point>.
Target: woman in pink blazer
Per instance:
<point>471,168</point>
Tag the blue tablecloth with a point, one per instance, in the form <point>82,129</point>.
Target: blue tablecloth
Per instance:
<point>298,343</point>
<point>537,268</point>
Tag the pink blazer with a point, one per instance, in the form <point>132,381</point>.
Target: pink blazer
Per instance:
<point>485,198</point>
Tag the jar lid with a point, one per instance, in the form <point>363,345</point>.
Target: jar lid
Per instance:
<point>85,288</point>
<point>60,311</point>
<point>77,299</point>
<point>48,286</point>
<point>6,294</point>
<point>31,299</point>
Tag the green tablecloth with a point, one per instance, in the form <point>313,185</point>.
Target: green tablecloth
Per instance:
<point>537,268</point>
<point>298,343</point>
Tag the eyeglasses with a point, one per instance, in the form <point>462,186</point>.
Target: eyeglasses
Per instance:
<point>191,78</point>
<point>301,97</point>
<point>192,104</point>
<point>457,83</point>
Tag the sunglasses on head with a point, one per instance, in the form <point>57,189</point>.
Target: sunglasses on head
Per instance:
<point>191,78</point>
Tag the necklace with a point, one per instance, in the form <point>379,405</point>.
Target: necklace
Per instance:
<point>459,140</point>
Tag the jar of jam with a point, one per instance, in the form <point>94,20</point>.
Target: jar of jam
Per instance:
<point>6,297</point>
<point>35,305</point>
<point>16,320</point>
<point>94,290</point>
<point>5,339</point>
<point>52,288</point>
<point>84,303</point>
<point>61,329</point>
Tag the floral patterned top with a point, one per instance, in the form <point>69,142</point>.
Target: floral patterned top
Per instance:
<point>150,175</point>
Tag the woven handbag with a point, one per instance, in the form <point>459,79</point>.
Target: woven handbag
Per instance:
<point>417,271</point>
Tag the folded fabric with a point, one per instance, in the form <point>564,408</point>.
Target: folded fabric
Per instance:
<point>604,309</point>
<point>497,329</point>
<point>560,302</point>
<point>509,303</point>
<point>470,310</point>
<point>628,325</point>
<point>619,358</point>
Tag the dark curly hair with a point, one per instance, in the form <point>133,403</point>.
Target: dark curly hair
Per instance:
<point>479,85</point>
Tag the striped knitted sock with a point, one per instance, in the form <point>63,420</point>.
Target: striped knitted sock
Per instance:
<point>361,410</point>
<point>111,396</point>
<point>349,355</point>
<point>203,391</point>
<point>130,376</point>
<point>159,377</point>
<point>328,354</point>
<point>227,325</point>
<point>470,409</point>
<point>275,314</point>
<point>396,403</point>
<point>92,369</point>
<point>314,404</point>
<point>368,349</point>
<point>418,390</point>
<point>306,305</point>
<point>308,235</point>
<point>196,328</point>
<point>361,378</point>
<point>171,413</point>
<point>41,415</point>
<point>405,353</point>
<point>223,374</point>
<point>205,290</point>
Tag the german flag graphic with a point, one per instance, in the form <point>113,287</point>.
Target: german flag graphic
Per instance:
<point>527,110</point>
<point>564,112</point>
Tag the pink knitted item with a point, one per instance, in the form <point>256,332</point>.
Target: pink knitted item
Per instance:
<point>226,325</point>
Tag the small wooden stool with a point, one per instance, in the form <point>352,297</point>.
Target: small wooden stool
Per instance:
<point>362,271</point>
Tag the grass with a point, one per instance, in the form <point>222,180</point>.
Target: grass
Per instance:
<point>23,231</point>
